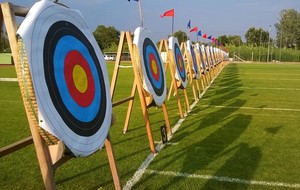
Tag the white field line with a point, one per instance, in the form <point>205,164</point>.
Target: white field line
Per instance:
<point>277,79</point>
<point>225,179</point>
<point>283,74</point>
<point>142,169</point>
<point>9,79</point>
<point>252,108</point>
<point>256,88</point>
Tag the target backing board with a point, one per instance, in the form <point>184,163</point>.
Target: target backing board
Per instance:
<point>191,51</point>
<point>154,80</point>
<point>69,77</point>
<point>199,49</point>
<point>180,70</point>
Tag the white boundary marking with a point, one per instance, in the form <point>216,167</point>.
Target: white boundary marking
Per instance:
<point>292,74</point>
<point>268,79</point>
<point>142,169</point>
<point>252,108</point>
<point>125,67</point>
<point>9,79</point>
<point>256,88</point>
<point>225,179</point>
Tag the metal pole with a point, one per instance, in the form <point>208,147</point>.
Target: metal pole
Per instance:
<point>173,24</point>
<point>141,15</point>
<point>269,43</point>
<point>280,45</point>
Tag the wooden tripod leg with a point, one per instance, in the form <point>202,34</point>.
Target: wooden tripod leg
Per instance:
<point>148,129</point>
<point>170,90</point>
<point>112,163</point>
<point>43,155</point>
<point>202,82</point>
<point>178,103</point>
<point>194,91</point>
<point>198,88</point>
<point>164,107</point>
<point>129,110</point>
<point>146,116</point>
<point>186,100</point>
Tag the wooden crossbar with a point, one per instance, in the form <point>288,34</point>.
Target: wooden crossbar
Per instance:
<point>15,146</point>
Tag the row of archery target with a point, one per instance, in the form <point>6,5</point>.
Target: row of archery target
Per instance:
<point>70,78</point>
<point>197,63</point>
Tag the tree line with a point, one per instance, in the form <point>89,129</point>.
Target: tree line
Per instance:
<point>287,35</point>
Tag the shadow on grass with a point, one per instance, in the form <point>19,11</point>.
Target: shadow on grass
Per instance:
<point>242,165</point>
<point>199,155</point>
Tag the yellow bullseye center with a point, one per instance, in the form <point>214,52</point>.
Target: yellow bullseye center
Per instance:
<point>154,67</point>
<point>180,63</point>
<point>80,78</point>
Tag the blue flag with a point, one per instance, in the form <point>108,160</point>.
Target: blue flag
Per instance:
<point>189,24</point>
<point>209,37</point>
<point>199,33</point>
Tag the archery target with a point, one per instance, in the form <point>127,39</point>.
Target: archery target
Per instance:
<point>154,80</point>
<point>69,77</point>
<point>180,71</point>
<point>203,66</point>
<point>203,49</point>
<point>193,56</point>
<point>211,56</point>
<point>207,57</point>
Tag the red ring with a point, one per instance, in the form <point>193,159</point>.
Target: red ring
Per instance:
<point>151,59</point>
<point>180,62</point>
<point>72,59</point>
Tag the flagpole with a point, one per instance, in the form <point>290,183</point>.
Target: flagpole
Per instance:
<point>173,24</point>
<point>141,15</point>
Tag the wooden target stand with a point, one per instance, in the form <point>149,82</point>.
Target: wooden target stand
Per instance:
<point>175,84</point>
<point>50,151</point>
<point>146,99</point>
<point>210,67</point>
<point>204,76</point>
<point>191,74</point>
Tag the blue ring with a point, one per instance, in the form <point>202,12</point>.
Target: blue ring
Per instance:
<point>149,50</point>
<point>182,73</point>
<point>65,45</point>
<point>194,60</point>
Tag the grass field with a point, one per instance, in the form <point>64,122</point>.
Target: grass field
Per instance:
<point>242,134</point>
<point>5,58</point>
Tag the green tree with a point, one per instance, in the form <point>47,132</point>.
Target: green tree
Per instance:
<point>235,40</point>
<point>256,37</point>
<point>288,29</point>
<point>4,44</point>
<point>223,40</point>
<point>106,37</point>
<point>181,36</point>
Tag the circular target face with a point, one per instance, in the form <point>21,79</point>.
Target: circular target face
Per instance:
<point>74,78</point>
<point>194,60</point>
<point>69,77</point>
<point>201,58</point>
<point>180,71</point>
<point>209,65</point>
<point>153,73</point>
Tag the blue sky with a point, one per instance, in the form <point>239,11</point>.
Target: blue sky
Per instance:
<point>214,17</point>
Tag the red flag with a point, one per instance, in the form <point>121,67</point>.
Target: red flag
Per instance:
<point>194,29</point>
<point>168,13</point>
<point>213,39</point>
<point>204,36</point>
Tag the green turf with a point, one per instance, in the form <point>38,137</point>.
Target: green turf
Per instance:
<point>246,126</point>
<point>5,58</point>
